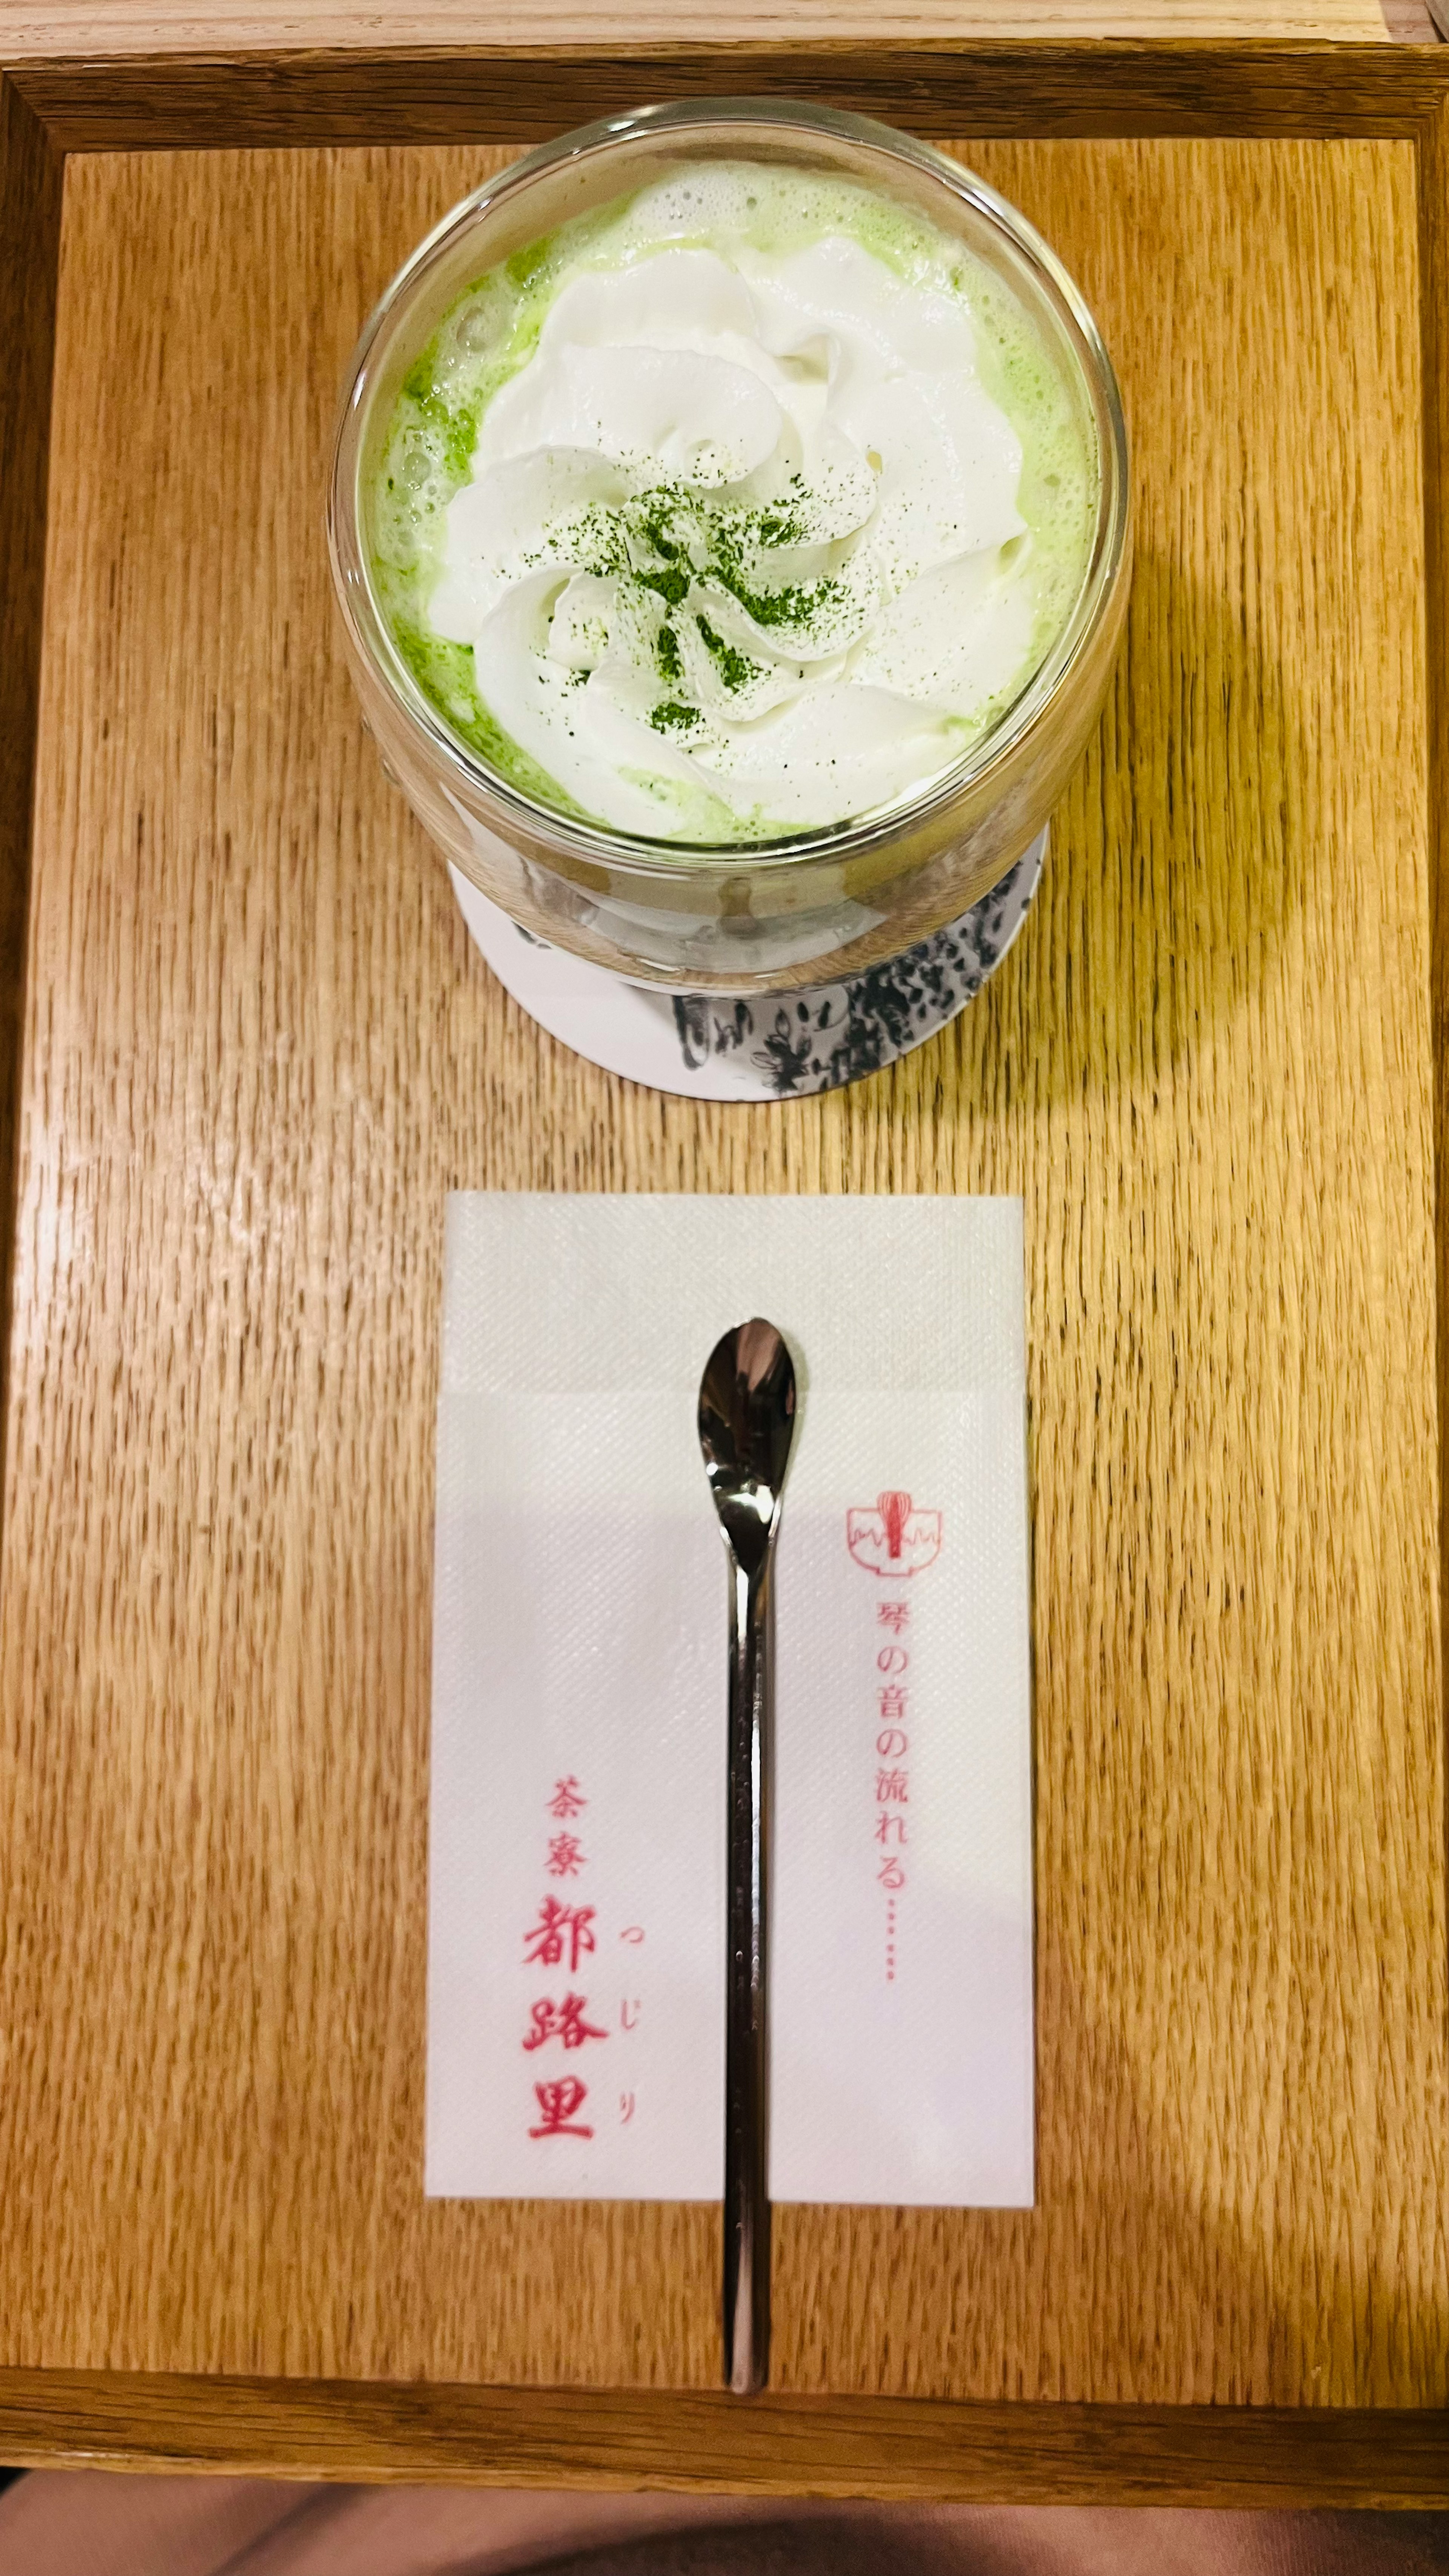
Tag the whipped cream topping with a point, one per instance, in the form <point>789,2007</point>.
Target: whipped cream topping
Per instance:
<point>740,551</point>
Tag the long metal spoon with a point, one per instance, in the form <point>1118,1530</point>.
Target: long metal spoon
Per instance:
<point>746,1423</point>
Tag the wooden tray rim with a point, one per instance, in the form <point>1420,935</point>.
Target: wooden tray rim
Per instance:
<point>893,2450</point>
<point>686,2440</point>
<point>506,92</point>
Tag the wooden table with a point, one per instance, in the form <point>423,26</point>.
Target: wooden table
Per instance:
<point>255,1049</point>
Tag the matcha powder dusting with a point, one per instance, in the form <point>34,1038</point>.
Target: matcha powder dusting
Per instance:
<point>739,508</point>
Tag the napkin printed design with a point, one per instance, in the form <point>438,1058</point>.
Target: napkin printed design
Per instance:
<point>561,1947</point>
<point>576,1952</point>
<point>897,1541</point>
<point>561,1939</point>
<point>895,1538</point>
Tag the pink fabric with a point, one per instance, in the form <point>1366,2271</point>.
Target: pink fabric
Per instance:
<point>89,2523</point>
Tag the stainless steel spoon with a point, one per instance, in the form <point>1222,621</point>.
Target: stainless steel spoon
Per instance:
<point>746,1423</point>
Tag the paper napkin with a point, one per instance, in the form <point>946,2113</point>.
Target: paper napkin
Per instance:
<point>576,1943</point>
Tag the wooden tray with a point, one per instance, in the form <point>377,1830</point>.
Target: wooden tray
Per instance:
<point>248,1049</point>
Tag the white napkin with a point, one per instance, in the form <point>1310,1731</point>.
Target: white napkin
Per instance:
<point>576,1942</point>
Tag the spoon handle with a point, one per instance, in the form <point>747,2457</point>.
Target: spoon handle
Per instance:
<point>746,2189</point>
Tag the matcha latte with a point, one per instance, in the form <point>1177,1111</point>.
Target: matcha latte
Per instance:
<point>738,508</point>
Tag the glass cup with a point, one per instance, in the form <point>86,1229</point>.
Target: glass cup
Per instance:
<point>744,917</point>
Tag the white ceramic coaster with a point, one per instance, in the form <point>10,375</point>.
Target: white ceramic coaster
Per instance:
<point>770,1046</point>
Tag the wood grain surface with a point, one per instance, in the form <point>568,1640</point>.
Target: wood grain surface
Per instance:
<point>258,1050</point>
<point>98,27</point>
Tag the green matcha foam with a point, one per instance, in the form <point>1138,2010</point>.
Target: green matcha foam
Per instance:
<point>736,508</point>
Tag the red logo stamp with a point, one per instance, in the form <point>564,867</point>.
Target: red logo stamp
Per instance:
<point>894,1538</point>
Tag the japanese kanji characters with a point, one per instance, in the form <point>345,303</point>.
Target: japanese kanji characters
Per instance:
<point>557,2103</point>
<point>560,1928</point>
<point>563,2021</point>
<point>892,1779</point>
<point>566,1936</point>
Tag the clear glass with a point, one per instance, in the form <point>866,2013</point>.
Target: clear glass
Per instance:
<point>741,918</point>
